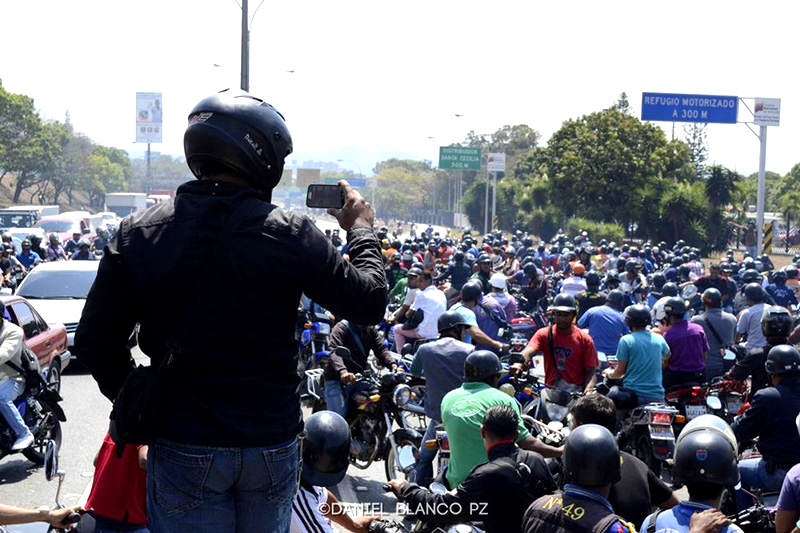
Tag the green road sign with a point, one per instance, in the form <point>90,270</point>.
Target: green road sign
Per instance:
<point>458,158</point>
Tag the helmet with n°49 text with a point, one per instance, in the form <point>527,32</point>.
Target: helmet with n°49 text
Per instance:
<point>241,133</point>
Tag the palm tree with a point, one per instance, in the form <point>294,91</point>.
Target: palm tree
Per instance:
<point>790,207</point>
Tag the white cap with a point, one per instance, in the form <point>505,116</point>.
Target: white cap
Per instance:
<point>498,281</point>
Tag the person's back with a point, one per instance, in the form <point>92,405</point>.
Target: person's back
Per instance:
<point>442,363</point>
<point>589,300</point>
<point>490,317</point>
<point>720,329</point>
<point>750,324</point>
<point>462,414</point>
<point>606,327</point>
<point>228,390</point>
<point>687,343</point>
<point>643,353</point>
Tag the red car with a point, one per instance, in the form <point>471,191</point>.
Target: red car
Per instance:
<point>49,343</point>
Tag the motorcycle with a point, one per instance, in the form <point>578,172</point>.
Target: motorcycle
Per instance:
<point>375,405</point>
<point>39,408</point>
<point>727,398</point>
<point>51,472</point>
<point>411,525</point>
<point>690,402</point>
<point>316,330</point>
<point>647,434</point>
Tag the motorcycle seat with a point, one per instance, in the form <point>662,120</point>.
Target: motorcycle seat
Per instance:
<point>681,386</point>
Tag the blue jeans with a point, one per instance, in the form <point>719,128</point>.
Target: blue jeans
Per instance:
<point>755,476</point>
<point>10,389</point>
<point>336,396</point>
<point>221,490</point>
<point>424,468</point>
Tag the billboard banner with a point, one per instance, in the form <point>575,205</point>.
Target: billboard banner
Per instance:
<point>148,117</point>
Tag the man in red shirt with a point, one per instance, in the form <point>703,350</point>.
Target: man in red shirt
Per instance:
<point>570,358</point>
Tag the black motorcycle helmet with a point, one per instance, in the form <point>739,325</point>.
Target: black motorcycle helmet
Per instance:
<point>676,262</point>
<point>472,291</point>
<point>450,320</point>
<point>637,316</point>
<point>705,456</point>
<point>458,257</point>
<point>658,281</point>
<point>616,298</point>
<point>481,365</point>
<point>591,457</point>
<point>684,271</point>
<point>237,132</point>
<point>484,258</point>
<point>791,271</point>
<point>593,280</point>
<point>630,266</point>
<point>750,275</point>
<point>326,447</point>
<point>530,270</point>
<point>712,298</point>
<point>675,307</point>
<point>782,359</point>
<point>563,303</point>
<point>779,277</point>
<point>669,289</point>
<point>776,322</point>
<point>754,292</point>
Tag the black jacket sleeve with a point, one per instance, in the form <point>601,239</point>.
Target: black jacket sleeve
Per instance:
<point>750,424</point>
<point>336,365</point>
<point>355,290</point>
<point>101,340</point>
<point>378,348</point>
<point>471,490</point>
<point>745,366</point>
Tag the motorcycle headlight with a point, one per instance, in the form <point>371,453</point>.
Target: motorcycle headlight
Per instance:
<point>323,328</point>
<point>402,395</point>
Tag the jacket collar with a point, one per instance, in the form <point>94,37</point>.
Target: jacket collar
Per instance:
<point>217,188</point>
<point>503,448</point>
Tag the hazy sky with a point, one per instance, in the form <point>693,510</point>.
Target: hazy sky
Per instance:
<point>377,77</point>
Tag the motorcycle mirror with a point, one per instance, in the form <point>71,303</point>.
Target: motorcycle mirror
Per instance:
<point>713,403</point>
<point>689,292</point>
<point>343,352</point>
<point>50,460</point>
<point>729,356</point>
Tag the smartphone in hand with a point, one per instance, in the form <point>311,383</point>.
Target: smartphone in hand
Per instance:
<point>325,196</point>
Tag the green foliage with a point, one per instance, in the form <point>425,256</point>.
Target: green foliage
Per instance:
<point>598,230</point>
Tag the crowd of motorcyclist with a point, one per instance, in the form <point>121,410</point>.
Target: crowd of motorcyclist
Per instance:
<point>657,319</point>
<point>16,260</point>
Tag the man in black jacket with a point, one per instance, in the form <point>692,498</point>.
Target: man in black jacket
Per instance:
<point>496,493</point>
<point>224,450</point>
<point>771,417</point>
<point>339,373</point>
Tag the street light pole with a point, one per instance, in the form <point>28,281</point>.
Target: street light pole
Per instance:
<point>245,49</point>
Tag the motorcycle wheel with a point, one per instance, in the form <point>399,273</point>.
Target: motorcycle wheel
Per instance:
<point>35,453</point>
<point>390,464</point>
<point>644,450</point>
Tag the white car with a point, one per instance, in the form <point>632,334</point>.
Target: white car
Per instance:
<point>58,291</point>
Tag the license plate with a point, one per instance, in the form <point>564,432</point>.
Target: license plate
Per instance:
<point>693,411</point>
<point>661,432</point>
<point>734,406</point>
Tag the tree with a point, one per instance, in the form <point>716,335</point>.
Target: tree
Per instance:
<point>698,146</point>
<point>682,205</point>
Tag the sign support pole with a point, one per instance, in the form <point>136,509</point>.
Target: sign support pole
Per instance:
<point>494,196</point>
<point>486,207</point>
<point>148,161</point>
<point>245,81</point>
<point>762,163</point>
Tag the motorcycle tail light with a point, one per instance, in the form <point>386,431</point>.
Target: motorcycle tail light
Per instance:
<point>431,444</point>
<point>527,390</point>
<point>661,450</point>
<point>680,419</point>
<point>307,325</point>
<point>375,398</point>
<point>662,418</point>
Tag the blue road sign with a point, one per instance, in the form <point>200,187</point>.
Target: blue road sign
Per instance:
<point>357,182</point>
<point>689,108</point>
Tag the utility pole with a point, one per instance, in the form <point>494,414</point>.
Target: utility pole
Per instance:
<point>486,207</point>
<point>494,197</point>
<point>245,49</point>
<point>148,162</point>
<point>762,164</point>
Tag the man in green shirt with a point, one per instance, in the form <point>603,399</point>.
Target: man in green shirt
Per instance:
<point>462,414</point>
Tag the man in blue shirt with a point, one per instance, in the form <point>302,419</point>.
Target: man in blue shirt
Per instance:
<point>640,357</point>
<point>705,461</point>
<point>471,295</point>
<point>783,295</point>
<point>605,323</point>
<point>28,257</point>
